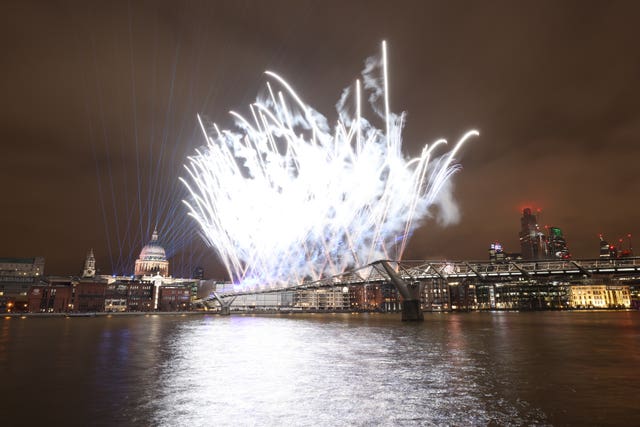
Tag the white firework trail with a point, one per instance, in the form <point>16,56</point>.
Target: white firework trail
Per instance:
<point>286,199</point>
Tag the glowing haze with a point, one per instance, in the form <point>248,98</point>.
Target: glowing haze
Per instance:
<point>287,198</point>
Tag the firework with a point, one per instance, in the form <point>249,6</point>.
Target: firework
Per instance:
<point>286,198</point>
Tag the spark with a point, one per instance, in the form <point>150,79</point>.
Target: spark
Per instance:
<point>286,199</point>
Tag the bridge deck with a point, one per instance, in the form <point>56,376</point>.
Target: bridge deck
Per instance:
<point>412,271</point>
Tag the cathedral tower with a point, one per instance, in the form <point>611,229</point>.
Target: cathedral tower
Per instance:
<point>89,265</point>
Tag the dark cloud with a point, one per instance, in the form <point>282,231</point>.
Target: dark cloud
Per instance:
<point>99,98</point>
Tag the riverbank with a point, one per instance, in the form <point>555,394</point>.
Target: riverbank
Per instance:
<point>177,313</point>
<point>279,312</point>
<point>114,314</point>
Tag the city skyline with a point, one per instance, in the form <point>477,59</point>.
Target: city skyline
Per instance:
<point>101,107</point>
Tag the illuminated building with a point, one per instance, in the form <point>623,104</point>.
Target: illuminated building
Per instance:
<point>152,260</point>
<point>174,298</point>
<point>266,301</point>
<point>89,296</point>
<point>380,297</point>
<point>115,298</point>
<point>607,250</point>
<point>521,295</point>
<point>495,252</point>
<point>628,252</point>
<point>612,251</point>
<point>322,299</point>
<point>146,293</point>
<point>634,295</point>
<point>436,295</point>
<point>462,295</point>
<point>557,245</point>
<point>17,276</point>
<point>30,267</point>
<point>55,297</point>
<point>599,296</point>
<point>58,294</point>
<point>271,301</point>
<point>140,295</point>
<point>532,240</point>
<point>98,293</point>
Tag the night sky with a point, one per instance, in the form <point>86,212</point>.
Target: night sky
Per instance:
<point>99,103</point>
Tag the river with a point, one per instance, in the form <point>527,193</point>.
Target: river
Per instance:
<point>500,368</point>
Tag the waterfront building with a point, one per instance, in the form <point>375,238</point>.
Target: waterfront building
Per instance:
<point>144,293</point>
<point>390,298</point>
<point>265,301</point>
<point>115,298</point>
<point>436,295</point>
<point>57,294</point>
<point>22,288</point>
<point>462,295</point>
<point>521,295</point>
<point>635,297</point>
<point>174,298</point>
<point>26,267</point>
<point>366,297</point>
<point>97,294</point>
<point>375,297</point>
<point>89,296</point>
<point>53,297</point>
<point>599,296</point>
<point>270,301</point>
<point>140,295</point>
<point>322,299</point>
<point>17,276</point>
<point>152,260</point>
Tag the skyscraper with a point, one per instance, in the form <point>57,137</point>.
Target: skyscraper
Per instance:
<point>557,245</point>
<point>532,240</point>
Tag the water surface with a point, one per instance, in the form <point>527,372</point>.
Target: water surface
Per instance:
<point>545,368</point>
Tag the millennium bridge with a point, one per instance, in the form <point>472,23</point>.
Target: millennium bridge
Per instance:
<point>408,277</point>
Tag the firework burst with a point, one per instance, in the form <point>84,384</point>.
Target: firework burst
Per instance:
<point>286,198</point>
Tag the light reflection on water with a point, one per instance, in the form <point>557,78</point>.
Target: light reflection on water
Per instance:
<point>453,369</point>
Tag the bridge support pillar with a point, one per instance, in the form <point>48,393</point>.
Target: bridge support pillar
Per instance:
<point>225,306</point>
<point>411,311</point>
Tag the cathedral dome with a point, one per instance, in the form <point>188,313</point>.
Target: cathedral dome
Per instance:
<point>153,251</point>
<point>153,259</point>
